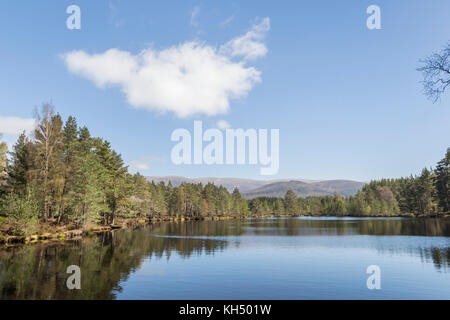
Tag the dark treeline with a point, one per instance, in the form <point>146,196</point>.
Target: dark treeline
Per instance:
<point>427,194</point>
<point>62,176</point>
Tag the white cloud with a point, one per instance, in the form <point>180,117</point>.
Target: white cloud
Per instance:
<point>15,125</point>
<point>222,124</point>
<point>249,46</point>
<point>187,79</point>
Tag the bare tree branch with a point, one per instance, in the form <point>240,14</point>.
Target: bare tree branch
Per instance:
<point>436,74</point>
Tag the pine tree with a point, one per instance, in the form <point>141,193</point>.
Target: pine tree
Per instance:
<point>278,207</point>
<point>442,183</point>
<point>290,202</point>
<point>141,196</point>
<point>114,180</point>
<point>237,202</point>
<point>20,165</point>
<point>210,197</point>
<point>339,206</point>
<point>180,201</point>
<point>256,206</point>
<point>424,190</point>
<point>85,198</point>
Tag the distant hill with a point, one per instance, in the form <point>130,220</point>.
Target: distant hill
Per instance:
<point>272,188</point>
<point>229,183</point>
<point>343,187</point>
<point>302,189</point>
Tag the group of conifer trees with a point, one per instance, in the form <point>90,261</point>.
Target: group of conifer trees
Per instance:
<point>62,175</point>
<point>425,195</point>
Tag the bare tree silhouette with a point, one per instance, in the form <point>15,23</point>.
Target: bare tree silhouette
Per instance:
<point>436,73</point>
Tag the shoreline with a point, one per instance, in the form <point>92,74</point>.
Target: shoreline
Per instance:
<point>127,223</point>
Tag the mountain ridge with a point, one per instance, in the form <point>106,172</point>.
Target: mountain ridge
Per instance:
<point>252,188</point>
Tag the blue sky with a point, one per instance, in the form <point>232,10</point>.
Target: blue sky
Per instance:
<point>347,100</point>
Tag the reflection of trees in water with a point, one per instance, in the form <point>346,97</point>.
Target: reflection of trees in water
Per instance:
<point>385,227</point>
<point>202,228</point>
<point>376,227</point>
<point>405,227</point>
<point>301,227</point>
<point>305,227</point>
<point>439,256</point>
<point>39,271</point>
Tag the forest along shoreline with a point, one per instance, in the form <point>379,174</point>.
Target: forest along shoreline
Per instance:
<point>58,233</point>
<point>62,183</point>
<point>132,223</point>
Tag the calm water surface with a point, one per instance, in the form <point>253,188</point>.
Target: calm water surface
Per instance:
<point>280,258</point>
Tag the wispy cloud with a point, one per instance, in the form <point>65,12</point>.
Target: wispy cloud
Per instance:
<point>250,45</point>
<point>187,79</point>
<point>227,21</point>
<point>194,13</point>
<point>114,14</point>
